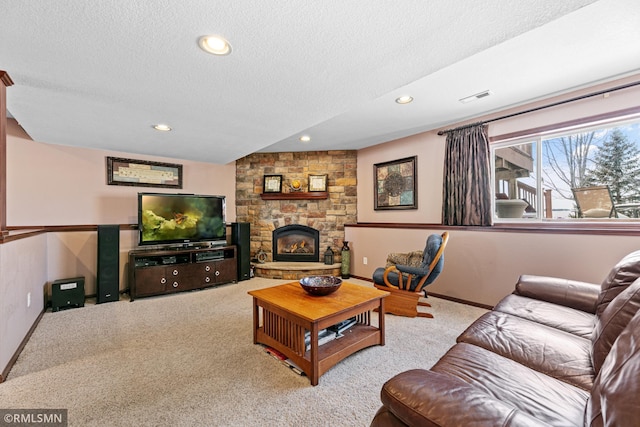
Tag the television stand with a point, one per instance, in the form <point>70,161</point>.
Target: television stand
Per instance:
<point>167,271</point>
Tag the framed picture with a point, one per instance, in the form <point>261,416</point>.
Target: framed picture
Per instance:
<point>395,184</point>
<point>142,173</point>
<point>317,182</point>
<point>272,184</point>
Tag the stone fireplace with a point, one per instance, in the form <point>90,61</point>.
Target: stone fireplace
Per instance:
<point>326,212</point>
<point>296,243</point>
<point>296,254</point>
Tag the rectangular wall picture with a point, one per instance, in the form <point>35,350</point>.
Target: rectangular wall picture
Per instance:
<point>272,184</point>
<point>317,183</point>
<point>395,185</point>
<point>142,173</point>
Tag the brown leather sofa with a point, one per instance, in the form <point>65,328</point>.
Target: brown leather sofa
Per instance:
<point>555,352</point>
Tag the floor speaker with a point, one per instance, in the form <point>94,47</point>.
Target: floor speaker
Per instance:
<point>241,237</point>
<point>108,277</point>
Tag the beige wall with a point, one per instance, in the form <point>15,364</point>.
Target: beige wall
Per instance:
<point>73,254</point>
<point>58,185</point>
<point>483,266</point>
<point>429,147</point>
<point>23,274</point>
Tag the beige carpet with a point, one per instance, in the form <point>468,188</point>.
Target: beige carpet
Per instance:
<point>189,360</point>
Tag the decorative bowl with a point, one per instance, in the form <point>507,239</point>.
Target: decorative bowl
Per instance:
<point>320,285</point>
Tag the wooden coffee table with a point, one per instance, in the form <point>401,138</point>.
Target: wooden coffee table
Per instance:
<point>288,312</point>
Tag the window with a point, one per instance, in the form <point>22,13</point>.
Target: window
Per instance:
<point>584,173</point>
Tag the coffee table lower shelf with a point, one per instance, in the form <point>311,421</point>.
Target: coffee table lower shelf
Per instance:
<point>284,315</point>
<point>355,339</point>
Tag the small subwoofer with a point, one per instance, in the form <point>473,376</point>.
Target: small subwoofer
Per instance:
<point>108,276</point>
<point>241,237</point>
<point>67,293</point>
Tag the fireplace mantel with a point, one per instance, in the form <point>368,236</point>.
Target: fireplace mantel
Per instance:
<point>295,195</point>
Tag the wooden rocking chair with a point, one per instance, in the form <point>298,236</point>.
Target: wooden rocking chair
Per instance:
<point>406,283</point>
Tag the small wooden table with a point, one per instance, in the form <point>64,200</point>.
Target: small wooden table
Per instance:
<point>288,312</point>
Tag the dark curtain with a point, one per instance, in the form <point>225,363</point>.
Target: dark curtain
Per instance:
<point>467,193</point>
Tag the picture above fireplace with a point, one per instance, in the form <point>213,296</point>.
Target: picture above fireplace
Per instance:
<point>296,243</point>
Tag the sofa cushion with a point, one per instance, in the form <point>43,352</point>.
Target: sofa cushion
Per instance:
<point>612,321</point>
<point>614,396</point>
<point>621,276</point>
<point>413,259</point>
<point>552,402</point>
<point>430,399</point>
<point>384,417</point>
<point>550,351</point>
<point>557,316</point>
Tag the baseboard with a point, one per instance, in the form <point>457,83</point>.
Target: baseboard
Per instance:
<point>462,301</point>
<point>25,340</point>
<point>445,297</point>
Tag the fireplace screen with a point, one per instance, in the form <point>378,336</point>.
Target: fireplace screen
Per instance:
<point>297,243</point>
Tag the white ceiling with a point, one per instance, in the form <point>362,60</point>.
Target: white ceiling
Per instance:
<point>100,74</point>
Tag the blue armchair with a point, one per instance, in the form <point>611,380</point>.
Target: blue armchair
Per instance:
<point>407,283</point>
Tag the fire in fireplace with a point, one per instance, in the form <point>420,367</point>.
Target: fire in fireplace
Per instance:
<point>297,243</point>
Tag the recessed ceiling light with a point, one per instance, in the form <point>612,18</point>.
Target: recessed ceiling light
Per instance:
<point>405,99</point>
<point>305,138</point>
<point>162,127</point>
<point>215,44</point>
<point>480,95</point>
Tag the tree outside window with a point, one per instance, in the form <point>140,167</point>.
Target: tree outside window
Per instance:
<point>616,164</point>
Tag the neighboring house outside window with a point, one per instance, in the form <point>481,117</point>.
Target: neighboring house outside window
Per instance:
<point>586,173</point>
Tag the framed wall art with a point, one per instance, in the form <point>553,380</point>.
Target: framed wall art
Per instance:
<point>142,173</point>
<point>272,184</point>
<point>317,183</point>
<point>395,184</point>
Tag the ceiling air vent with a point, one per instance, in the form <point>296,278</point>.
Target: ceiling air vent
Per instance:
<point>480,95</point>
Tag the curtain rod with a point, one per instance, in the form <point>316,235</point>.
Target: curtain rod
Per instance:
<point>531,110</point>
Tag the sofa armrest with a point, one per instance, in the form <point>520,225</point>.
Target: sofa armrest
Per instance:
<point>425,398</point>
<point>569,293</point>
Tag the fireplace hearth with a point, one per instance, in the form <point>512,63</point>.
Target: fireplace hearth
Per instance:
<point>296,243</point>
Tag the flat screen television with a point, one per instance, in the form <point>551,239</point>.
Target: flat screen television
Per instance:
<point>181,219</point>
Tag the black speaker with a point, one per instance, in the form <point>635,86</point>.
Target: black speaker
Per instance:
<point>108,277</point>
<point>241,237</point>
<point>67,293</point>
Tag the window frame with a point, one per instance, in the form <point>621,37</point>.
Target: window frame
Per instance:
<point>537,135</point>
<point>506,144</point>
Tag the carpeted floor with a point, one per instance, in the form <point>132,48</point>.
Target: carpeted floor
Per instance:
<point>189,360</point>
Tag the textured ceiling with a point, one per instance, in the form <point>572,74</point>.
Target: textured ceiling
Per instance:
<point>100,74</point>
